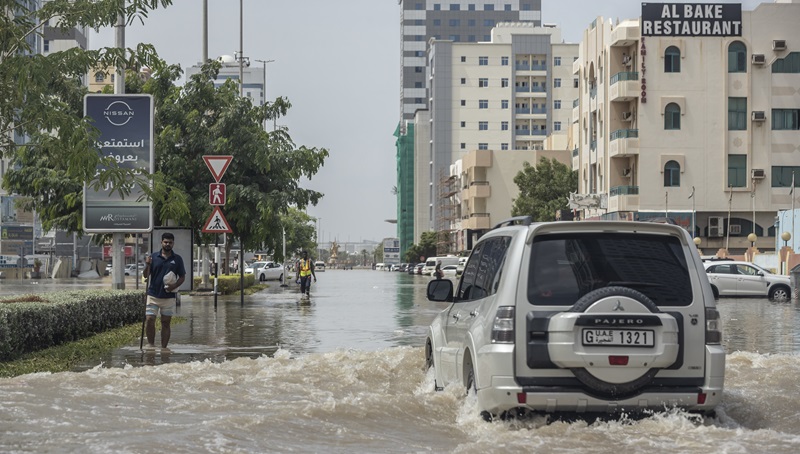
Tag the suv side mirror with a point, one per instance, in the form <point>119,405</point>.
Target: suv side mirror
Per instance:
<point>440,290</point>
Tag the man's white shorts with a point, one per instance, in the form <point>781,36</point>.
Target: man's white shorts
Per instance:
<point>165,305</point>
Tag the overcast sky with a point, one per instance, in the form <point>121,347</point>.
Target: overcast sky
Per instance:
<point>338,63</point>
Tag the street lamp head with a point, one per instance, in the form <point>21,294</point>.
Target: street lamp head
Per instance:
<point>697,241</point>
<point>786,236</point>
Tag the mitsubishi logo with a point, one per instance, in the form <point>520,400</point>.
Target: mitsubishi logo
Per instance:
<point>618,307</point>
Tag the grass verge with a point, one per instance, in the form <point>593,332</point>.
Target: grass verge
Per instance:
<point>65,357</point>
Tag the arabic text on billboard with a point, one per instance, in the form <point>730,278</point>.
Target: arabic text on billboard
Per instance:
<point>691,19</point>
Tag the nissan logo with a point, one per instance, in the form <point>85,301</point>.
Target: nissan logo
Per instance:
<point>118,113</point>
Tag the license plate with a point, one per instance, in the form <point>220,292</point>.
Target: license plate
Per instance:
<point>619,337</point>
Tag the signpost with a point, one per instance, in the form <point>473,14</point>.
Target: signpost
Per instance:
<point>216,223</point>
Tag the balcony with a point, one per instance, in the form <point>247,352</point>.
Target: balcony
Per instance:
<point>623,198</point>
<point>522,89</point>
<point>625,34</point>
<point>477,189</point>
<point>623,143</point>
<point>476,221</point>
<point>624,86</point>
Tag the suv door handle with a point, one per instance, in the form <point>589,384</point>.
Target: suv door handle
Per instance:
<point>456,316</point>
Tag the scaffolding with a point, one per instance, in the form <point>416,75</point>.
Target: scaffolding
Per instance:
<point>447,213</point>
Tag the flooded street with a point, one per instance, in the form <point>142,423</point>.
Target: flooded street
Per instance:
<point>344,373</point>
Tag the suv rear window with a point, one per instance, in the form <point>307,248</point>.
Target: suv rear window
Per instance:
<point>564,267</point>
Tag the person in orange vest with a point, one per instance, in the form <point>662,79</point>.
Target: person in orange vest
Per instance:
<point>305,271</point>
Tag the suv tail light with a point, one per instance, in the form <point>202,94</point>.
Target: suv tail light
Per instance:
<point>713,328</point>
<point>503,328</point>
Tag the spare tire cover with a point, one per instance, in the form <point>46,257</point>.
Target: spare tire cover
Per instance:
<point>584,375</point>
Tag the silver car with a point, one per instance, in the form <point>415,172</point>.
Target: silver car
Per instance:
<point>733,278</point>
<point>586,317</point>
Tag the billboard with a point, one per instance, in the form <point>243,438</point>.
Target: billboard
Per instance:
<point>691,19</point>
<point>126,135</point>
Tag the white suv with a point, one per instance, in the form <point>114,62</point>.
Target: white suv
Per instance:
<point>589,316</point>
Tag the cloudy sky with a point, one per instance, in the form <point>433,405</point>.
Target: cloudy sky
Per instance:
<point>338,62</point>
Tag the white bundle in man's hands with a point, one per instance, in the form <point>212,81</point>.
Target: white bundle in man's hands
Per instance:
<point>169,279</point>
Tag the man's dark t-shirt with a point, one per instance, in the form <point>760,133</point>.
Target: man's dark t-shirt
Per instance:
<point>159,267</point>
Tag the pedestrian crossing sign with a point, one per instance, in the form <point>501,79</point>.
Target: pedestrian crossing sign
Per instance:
<point>217,223</point>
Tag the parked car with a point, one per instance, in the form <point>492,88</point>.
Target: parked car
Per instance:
<point>460,267</point>
<point>449,271</point>
<point>593,316</point>
<point>736,278</point>
<point>251,268</point>
<point>319,266</point>
<point>418,268</point>
<point>270,271</point>
<point>130,270</point>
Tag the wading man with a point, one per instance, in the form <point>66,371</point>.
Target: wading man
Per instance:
<point>165,273</point>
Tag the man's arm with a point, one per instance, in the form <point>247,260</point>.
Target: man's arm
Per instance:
<point>312,271</point>
<point>147,260</point>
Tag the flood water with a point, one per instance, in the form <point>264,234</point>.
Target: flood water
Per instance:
<point>344,373</point>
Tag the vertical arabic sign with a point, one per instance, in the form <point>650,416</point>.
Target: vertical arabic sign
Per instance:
<point>126,135</point>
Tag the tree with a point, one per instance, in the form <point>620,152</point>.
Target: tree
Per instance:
<point>41,100</point>
<point>300,230</point>
<point>543,189</point>
<point>425,248</point>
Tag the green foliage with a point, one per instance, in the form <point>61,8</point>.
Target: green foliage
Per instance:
<point>41,98</point>
<point>31,324</point>
<point>300,234</point>
<point>426,248</point>
<point>228,284</point>
<point>543,189</point>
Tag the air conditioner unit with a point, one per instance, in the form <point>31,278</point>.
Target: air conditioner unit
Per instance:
<point>759,59</point>
<point>626,116</point>
<point>626,172</point>
<point>735,229</point>
<point>778,44</point>
<point>758,115</point>
<point>715,225</point>
<point>758,174</point>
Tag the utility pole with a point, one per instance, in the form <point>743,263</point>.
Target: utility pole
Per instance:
<point>241,47</point>
<point>205,33</point>
<point>118,238</point>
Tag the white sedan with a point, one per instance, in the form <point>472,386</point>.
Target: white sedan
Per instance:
<point>268,271</point>
<point>450,271</point>
<point>732,278</point>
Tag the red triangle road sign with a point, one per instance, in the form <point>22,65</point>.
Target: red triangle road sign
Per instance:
<point>217,223</point>
<point>217,164</point>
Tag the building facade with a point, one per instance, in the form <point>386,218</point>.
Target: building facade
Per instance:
<point>506,94</point>
<point>691,115</point>
<point>254,87</point>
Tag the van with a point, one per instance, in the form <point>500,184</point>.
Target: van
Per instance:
<point>430,264</point>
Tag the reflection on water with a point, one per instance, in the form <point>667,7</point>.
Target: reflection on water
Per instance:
<point>758,325</point>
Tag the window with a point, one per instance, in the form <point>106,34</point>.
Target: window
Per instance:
<point>454,38</point>
<point>737,170</point>
<point>437,7</point>
<point>471,22</point>
<point>455,7</point>
<point>556,104</point>
<point>782,176</point>
<point>556,83</point>
<point>488,23</point>
<point>526,7</point>
<point>575,83</point>
<point>463,146</point>
<point>504,146</point>
<point>788,64</point>
<point>463,102</point>
<point>483,146</point>
<point>99,77</point>
<point>437,22</point>
<point>504,61</point>
<point>471,7</point>
<point>483,104</point>
<point>463,59</point>
<point>504,104</point>
<point>419,6</point>
<point>672,60</point>
<point>483,82</point>
<point>418,100</point>
<point>737,114</point>
<point>417,84</point>
<point>483,61</point>
<point>471,38</point>
<point>483,126</point>
<point>507,7</point>
<point>737,57</point>
<point>487,37</point>
<point>463,81</point>
<point>504,82</point>
<point>504,126</point>
<point>47,45</point>
<point>488,7</point>
<point>463,124</point>
<point>454,22</point>
<point>556,61</point>
<point>672,174</point>
<point>785,119</point>
<point>418,37</point>
<point>418,69</point>
<point>557,126</point>
<point>672,116</point>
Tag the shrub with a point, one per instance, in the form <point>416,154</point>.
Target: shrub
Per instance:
<point>229,284</point>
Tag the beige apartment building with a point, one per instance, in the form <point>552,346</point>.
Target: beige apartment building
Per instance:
<point>691,114</point>
<point>511,96</point>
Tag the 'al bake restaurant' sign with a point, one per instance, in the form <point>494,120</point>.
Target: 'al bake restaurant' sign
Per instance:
<point>691,19</point>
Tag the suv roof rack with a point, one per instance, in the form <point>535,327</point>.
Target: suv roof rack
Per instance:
<point>517,220</point>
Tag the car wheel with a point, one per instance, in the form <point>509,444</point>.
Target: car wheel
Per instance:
<point>584,375</point>
<point>469,377</point>
<point>779,293</point>
<point>715,292</point>
<point>262,277</point>
<point>280,278</point>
